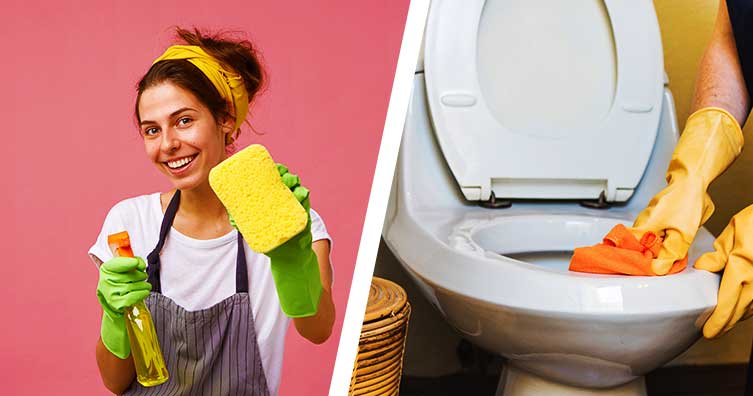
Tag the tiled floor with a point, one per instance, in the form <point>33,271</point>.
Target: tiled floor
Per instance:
<point>674,381</point>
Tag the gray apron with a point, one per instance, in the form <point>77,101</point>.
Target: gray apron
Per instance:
<point>211,352</point>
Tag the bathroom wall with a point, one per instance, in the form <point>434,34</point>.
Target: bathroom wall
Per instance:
<point>686,27</point>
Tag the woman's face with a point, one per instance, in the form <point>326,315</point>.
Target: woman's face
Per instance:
<point>181,137</point>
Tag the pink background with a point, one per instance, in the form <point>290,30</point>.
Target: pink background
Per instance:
<point>70,150</point>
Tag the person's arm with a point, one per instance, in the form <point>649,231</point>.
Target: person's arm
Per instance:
<point>720,81</point>
<point>318,328</point>
<point>117,374</point>
<point>711,140</point>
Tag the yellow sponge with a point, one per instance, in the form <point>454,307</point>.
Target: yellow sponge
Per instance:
<point>263,207</point>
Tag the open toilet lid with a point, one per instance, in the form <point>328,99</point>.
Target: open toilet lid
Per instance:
<point>544,100</point>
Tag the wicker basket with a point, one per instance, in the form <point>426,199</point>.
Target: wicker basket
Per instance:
<point>379,363</point>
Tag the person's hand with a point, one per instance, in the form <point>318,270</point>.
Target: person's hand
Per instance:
<point>122,283</point>
<point>733,253</point>
<point>295,268</point>
<point>712,139</point>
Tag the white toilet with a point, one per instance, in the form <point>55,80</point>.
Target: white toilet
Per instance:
<point>548,104</point>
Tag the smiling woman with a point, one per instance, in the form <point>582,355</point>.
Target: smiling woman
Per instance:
<point>214,301</point>
<point>181,134</point>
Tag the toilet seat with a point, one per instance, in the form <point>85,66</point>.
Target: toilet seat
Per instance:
<point>609,154</point>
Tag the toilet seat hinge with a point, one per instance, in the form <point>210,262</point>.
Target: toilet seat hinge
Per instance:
<point>494,203</point>
<point>600,203</point>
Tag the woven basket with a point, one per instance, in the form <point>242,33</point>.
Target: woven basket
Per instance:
<point>379,363</point>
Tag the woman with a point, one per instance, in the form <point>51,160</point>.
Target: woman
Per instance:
<point>219,334</point>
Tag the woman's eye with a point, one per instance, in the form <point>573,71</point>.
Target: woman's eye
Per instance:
<point>184,121</point>
<point>150,131</point>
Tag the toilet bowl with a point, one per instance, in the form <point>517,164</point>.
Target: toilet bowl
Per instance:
<point>499,276</point>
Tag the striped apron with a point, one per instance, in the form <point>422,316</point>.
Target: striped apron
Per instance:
<point>210,352</point>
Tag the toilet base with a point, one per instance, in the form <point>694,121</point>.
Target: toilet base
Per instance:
<point>516,382</point>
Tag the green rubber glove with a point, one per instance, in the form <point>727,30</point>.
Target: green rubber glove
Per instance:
<point>295,268</point>
<point>122,283</point>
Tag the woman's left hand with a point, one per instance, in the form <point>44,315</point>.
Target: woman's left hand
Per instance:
<point>302,273</point>
<point>294,264</point>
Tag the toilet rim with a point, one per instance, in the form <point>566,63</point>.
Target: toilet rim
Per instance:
<point>505,236</point>
<point>532,232</point>
<point>517,284</point>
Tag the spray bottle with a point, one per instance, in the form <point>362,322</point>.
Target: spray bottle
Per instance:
<point>145,349</point>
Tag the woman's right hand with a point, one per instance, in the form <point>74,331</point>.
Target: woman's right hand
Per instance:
<point>122,283</point>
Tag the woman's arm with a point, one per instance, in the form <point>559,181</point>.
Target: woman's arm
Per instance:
<point>318,328</point>
<point>117,374</point>
<point>720,81</point>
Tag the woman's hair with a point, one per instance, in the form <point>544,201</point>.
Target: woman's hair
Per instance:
<point>238,55</point>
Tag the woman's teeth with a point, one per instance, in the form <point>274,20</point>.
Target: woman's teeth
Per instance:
<point>179,163</point>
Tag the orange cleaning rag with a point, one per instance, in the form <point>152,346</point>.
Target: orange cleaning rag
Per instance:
<point>621,253</point>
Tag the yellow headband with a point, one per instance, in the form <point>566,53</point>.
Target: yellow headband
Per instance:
<point>227,82</point>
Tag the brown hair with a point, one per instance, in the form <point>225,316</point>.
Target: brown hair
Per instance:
<point>239,55</point>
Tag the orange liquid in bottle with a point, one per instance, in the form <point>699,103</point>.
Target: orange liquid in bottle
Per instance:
<point>145,349</point>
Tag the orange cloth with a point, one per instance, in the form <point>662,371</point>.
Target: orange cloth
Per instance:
<point>622,254</point>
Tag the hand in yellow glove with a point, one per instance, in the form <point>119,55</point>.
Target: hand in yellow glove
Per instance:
<point>733,252</point>
<point>712,139</point>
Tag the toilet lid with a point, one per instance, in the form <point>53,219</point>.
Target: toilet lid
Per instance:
<point>546,99</point>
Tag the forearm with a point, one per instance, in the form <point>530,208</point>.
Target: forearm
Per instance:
<point>318,328</point>
<point>117,374</point>
<point>720,81</point>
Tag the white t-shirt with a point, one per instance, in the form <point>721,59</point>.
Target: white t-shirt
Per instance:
<point>197,274</point>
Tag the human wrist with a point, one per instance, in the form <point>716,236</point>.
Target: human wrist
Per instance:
<point>298,283</point>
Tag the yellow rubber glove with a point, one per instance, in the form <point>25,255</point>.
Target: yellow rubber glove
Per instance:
<point>712,139</point>
<point>733,253</point>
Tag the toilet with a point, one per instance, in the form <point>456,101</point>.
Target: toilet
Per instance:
<point>534,128</point>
